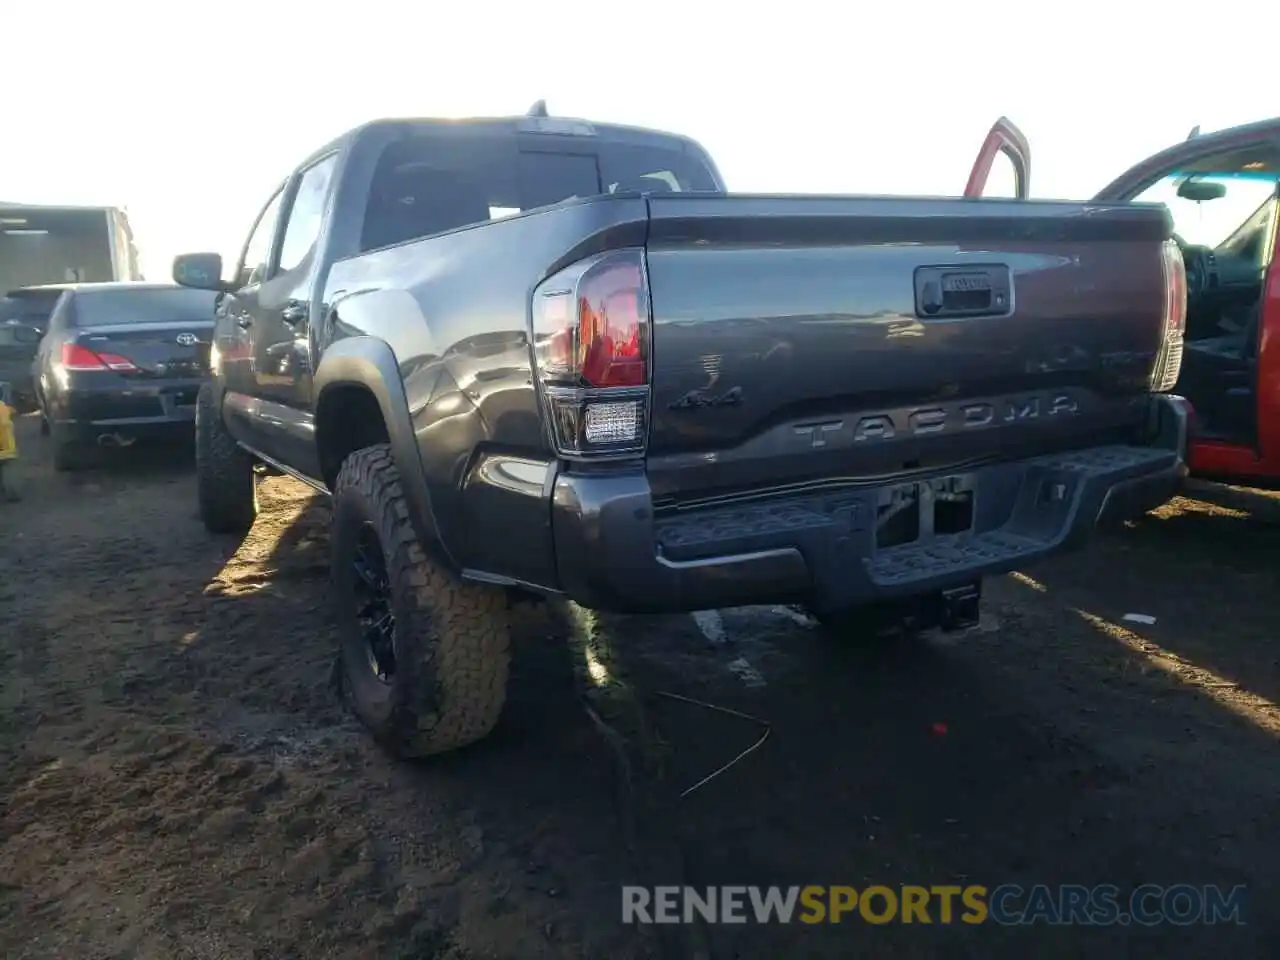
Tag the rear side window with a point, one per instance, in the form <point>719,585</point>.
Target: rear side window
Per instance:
<point>436,182</point>
<point>102,307</point>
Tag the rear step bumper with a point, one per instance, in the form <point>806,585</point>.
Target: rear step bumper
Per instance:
<point>821,548</point>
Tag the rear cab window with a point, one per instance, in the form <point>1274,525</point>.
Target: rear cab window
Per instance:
<point>103,307</point>
<point>446,178</point>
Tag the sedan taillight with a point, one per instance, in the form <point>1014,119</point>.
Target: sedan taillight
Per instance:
<point>78,358</point>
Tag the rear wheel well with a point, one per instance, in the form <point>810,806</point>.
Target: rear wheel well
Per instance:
<point>348,418</point>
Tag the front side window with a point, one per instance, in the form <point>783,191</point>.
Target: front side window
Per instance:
<point>257,252</point>
<point>306,215</point>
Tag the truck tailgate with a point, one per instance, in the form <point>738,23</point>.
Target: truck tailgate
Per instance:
<point>798,338</point>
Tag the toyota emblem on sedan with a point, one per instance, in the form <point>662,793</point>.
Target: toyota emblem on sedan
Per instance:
<point>187,339</point>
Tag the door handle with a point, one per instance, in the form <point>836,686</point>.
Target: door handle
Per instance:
<point>294,313</point>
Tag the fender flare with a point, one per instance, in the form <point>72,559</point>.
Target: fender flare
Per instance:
<point>370,363</point>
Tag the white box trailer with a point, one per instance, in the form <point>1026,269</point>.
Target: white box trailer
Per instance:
<point>56,244</point>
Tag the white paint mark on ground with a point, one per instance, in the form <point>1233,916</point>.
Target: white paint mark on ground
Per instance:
<point>1144,618</point>
<point>745,672</point>
<point>795,616</point>
<point>711,625</point>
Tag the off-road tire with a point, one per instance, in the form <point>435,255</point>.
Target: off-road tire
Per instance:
<point>451,638</point>
<point>225,483</point>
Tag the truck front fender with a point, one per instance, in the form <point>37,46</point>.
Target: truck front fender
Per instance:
<point>369,363</point>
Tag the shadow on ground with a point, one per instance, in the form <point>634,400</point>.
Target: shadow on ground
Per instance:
<point>1204,567</point>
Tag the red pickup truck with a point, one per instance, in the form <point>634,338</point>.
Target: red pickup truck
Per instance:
<point>1222,192</point>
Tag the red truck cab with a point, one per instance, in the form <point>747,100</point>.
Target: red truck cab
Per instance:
<point>1222,190</point>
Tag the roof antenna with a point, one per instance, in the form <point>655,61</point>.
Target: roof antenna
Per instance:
<point>539,109</point>
<point>1195,132</point>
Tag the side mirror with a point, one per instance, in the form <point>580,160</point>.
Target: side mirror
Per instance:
<point>1201,190</point>
<point>203,271</point>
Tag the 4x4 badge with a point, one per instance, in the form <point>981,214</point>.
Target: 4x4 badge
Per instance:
<point>696,398</point>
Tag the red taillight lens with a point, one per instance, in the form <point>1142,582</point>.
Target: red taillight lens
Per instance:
<point>1168,365</point>
<point>591,324</point>
<point>76,357</point>
<point>610,304</point>
<point>591,347</point>
<point>79,358</point>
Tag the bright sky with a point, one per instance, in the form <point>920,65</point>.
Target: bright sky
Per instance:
<point>188,114</point>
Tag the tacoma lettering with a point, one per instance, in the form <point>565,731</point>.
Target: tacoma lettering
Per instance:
<point>817,432</point>
<point>875,427</point>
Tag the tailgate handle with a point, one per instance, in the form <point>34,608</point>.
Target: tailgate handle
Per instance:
<point>978,290</point>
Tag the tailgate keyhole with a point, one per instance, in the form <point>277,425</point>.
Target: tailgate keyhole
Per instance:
<point>931,297</point>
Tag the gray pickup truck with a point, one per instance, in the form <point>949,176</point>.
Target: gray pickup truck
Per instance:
<point>534,357</point>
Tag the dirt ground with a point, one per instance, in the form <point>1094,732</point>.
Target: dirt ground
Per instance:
<point>179,779</point>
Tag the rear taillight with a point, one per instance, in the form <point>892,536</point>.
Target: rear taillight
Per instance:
<point>1169,358</point>
<point>591,352</point>
<point>79,358</point>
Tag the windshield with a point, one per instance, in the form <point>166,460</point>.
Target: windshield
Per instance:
<point>102,307</point>
<point>1209,223</point>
